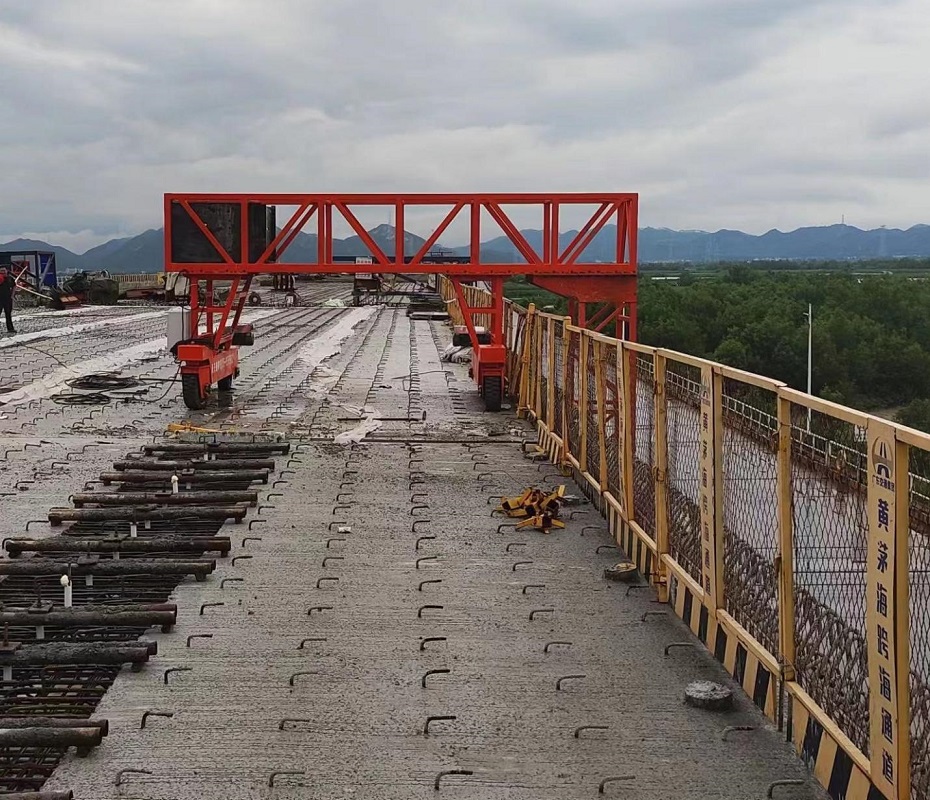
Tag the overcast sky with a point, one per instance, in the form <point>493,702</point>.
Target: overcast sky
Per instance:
<point>721,113</point>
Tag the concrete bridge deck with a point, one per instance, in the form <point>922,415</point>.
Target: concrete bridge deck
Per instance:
<point>336,694</point>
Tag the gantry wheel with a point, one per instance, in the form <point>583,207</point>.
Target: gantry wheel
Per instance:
<point>225,384</point>
<point>194,398</point>
<point>493,392</point>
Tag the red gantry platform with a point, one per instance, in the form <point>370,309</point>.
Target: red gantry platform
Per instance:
<point>234,237</point>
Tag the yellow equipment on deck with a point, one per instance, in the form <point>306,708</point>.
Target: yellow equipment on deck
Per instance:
<point>538,509</point>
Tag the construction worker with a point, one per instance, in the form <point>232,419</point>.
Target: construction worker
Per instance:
<point>7,288</point>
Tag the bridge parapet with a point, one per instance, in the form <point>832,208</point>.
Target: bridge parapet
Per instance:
<point>791,534</point>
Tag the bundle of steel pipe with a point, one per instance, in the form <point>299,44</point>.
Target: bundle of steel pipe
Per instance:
<point>39,735</point>
<point>218,447</point>
<point>147,512</point>
<point>54,653</point>
<point>175,466</point>
<point>126,544</point>
<point>185,477</point>
<point>81,499</point>
<point>127,616</point>
<point>134,566</point>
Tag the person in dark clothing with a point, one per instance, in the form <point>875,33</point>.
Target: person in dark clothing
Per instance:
<point>7,287</point>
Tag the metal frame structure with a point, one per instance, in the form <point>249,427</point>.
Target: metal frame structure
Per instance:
<point>210,355</point>
<point>39,265</point>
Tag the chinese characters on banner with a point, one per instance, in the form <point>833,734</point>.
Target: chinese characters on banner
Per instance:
<point>880,609</point>
<point>706,487</point>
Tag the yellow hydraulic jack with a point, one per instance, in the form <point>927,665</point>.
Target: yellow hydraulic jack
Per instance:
<point>540,509</point>
<point>542,522</point>
<point>516,506</point>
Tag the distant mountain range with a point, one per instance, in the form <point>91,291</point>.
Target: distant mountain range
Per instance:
<point>145,253</point>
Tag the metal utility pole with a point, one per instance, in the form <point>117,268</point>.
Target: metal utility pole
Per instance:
<point>810,342</point>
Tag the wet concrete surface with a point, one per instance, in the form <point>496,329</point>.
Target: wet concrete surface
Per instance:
<point>353,721</point>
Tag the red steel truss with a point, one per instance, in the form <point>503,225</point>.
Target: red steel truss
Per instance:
<point>557,264</point>
<point>322,209</point>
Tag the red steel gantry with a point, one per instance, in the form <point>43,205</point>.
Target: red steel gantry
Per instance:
<point>232,237</point>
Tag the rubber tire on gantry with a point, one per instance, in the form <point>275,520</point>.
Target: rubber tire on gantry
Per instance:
<point>493,392</point>
<point>194,398</point>
<point>225,384</point>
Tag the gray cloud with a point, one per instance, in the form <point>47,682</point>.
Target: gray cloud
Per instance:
<point>721,113</point>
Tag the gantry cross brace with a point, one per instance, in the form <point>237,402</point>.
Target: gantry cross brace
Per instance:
<point>232,237</point>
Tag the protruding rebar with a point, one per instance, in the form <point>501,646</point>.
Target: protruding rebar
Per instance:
<point>297,675</point>
<point>274,775</point>
<point>175,669</point>
<point>147,714</point>
<point>787,782</point>
<point>437,718</point>
<point>731,728</point>
<point>122,772</point>
<point>432,672</point>
<point>444,773</point>
<point>600,789</point>
<point>678,644</point>
<point>424,642</point>
<point>558,683</point>
<point>581,728</point>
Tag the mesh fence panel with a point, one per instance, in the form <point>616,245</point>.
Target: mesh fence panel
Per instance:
<point>612,395</point>
<point>750,509</point>
<point>919,621</point>
<point>828,484</point>
<point>533,364</point>
<point>594,433</point>
<point>515,336</point>
<point>557,427</point>
<point>683,416</point>
<point>573,393</point>
<point>644,444</point>
<point>543,400</point>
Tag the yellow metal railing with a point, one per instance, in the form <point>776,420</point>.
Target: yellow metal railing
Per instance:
<point>791,533</point>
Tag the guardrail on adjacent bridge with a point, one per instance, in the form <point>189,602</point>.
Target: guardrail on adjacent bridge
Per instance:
<point>791,534</point>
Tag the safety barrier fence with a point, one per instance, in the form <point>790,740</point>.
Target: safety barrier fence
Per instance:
<point>791,534</point>
<point>139,280</point>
